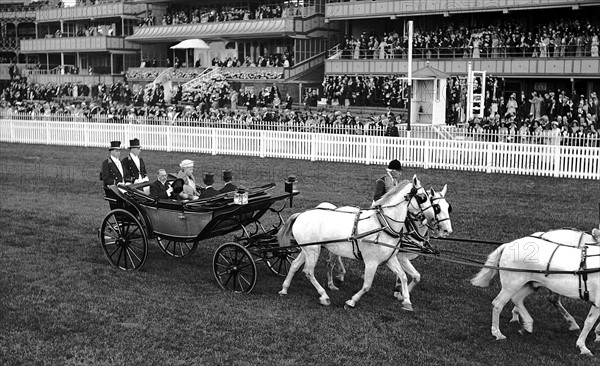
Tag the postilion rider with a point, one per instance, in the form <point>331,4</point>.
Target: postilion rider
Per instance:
<point>393,175</point>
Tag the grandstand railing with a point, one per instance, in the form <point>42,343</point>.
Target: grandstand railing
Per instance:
<point>340,52</point>
<point>482,156</point>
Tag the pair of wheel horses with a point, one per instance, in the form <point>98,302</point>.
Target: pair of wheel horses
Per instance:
<point>376,234</point>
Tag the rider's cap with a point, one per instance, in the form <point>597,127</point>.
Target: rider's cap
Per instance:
<point>209,178</point>
<point>395,165</point>
<point>186,164</point>
<point>115,145</point>
<point>135,143</point>
<point>227,175</point>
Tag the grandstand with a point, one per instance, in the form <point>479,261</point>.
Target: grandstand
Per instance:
<point>546,46</point>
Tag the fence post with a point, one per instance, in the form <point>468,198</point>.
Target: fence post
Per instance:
<point>489,152</point>
<point>557,167</point>
<point>367,149</point>
<point>169,140</point>
<point>86,134</point>
<point>12,130</point>
<point>313,146</point>
<point>426,153</point>
<point>213,141</point>
<point>47,133</point>
<point>262,142</point>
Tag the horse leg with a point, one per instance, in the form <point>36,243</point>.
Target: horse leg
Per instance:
<point>312,255</point>
<point>554,299</point>
<point>411,271</point>
<point>395,266</point>
<point>331,260</point>
<point>587,326</point>
<point>342,275</point>
<point>370,269</point>
<point>498,304</point>
<point>597,331</point>
<point>300,259</point>
<point>517,299</point>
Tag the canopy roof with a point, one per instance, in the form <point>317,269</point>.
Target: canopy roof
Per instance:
<point>195,43</point>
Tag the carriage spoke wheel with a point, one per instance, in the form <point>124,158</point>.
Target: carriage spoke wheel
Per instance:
<point>234,268</point>
<point>176,248</point>
<point>123,240</point>
<point>281,260</point>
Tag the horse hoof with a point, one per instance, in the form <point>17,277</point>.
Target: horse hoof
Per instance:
<point>325,302</point>
<point>333,288</point>
<point>524,332</point>
<point>349,304</point>
<point>500,337</point>
<point>282,293</point>
<point>407,307</point>
<point>576,329</point>
<point>348,307</point>
<point>398,295</point>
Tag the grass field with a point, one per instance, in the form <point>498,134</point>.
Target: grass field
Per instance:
<point>62,304</point>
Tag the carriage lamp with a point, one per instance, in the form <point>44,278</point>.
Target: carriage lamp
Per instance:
<point>240,197</point>
<point>290,185</point>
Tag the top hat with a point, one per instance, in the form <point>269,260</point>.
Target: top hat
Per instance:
<point>177,186</point>
<point>227,175</point>
<point>209,178</point>
<point>135,143</point>
<point>395,165</point>
<point>115,145</point>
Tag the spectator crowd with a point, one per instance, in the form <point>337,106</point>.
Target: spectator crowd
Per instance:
<point>512,37</point>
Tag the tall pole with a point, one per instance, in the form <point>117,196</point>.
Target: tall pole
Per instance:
<point>410,46</point>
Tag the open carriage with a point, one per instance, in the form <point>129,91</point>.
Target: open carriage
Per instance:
<point>179,226</point>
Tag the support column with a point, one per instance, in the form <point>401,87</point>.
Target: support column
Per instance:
<point>111,64</point>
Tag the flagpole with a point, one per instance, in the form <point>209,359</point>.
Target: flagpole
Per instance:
<point>410,46</point>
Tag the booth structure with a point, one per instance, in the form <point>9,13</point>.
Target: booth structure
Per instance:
<point>428,105</point>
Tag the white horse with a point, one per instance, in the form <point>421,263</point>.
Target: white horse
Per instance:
<point>531,262</point>
<point>415,236</point>
<point>570,237</point>
<point>373,234</point>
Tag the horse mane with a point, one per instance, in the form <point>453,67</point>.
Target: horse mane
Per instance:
<point>388,195</point>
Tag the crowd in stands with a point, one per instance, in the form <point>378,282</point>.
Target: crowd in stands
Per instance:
<point>176,15</point>
<point>275,60</point>
<point>503,38</point>
<point>546,118</point>
<point>372,91</point>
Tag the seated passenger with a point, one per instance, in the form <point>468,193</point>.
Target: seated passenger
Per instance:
<point>177,193</point>
<point>227,178</point>
<point>160,188</point>
<point>596,233</point>
<point>186,173</point>
<point>209,191</point>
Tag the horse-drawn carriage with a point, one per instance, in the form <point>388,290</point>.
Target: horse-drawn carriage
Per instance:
<point>179,226</point>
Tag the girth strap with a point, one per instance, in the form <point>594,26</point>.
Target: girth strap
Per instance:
<point>583,275</point>
<point>550,260</point>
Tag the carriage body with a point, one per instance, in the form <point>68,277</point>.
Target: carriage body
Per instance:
<point>178,227</point>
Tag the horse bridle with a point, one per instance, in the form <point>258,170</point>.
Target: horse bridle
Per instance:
<point>437,210</point>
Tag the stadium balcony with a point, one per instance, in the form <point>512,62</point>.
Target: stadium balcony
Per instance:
<point>342,61</point>
<point>359,9</point>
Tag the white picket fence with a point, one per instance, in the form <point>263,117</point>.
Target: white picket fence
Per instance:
<point>491,157</point>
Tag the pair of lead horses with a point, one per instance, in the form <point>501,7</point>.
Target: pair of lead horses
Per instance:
<point>375,235</point>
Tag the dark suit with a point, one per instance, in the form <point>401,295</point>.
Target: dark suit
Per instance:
<point>208,192</point>
<point>110,174</point>
<point>228,187</point>
<point>159,190</point>
<point>130,170</point>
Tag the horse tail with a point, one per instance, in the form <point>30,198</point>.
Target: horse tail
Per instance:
<point>284,234</point>
<point>483,278</point>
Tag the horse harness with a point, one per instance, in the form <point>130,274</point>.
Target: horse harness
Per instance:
<point>583,270</point>
<point>385,226</point>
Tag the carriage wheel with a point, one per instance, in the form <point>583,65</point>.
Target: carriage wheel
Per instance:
<point>234,268</point>
<point>175,248</point>
<point>281,260</point>
<point>124,240</point>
